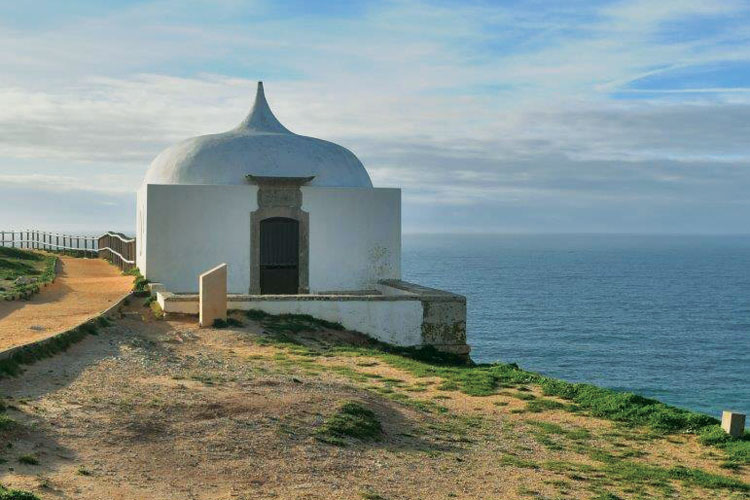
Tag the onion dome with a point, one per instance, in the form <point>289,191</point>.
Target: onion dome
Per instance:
<point>260,146</point>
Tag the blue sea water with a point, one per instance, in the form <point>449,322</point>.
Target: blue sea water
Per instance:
<point>663,316</point>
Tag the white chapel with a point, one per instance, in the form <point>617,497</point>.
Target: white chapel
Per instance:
<point>299,225</point>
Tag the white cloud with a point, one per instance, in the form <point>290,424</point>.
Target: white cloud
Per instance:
<point>459,104</point>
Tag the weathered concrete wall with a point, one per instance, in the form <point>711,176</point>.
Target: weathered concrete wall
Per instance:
<point>443,315</point>
<point>354,241</point>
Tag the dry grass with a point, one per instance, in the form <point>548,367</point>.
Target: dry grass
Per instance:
<point>162,409</point>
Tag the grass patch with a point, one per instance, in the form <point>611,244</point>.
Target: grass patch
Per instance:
<point>225,323</point>
<point>370,495</point>
<point>83,471</point>
<point>16,263</point>
<point>6,494</point>
<point>633,472</point>
<point>521,463</point>
<point>351,420</point>
<point>28,460</point>
<point>7,423</point>
<point>12,269</point>
<point>736,449</point>
<point>540,405</point>
<point>487,379</point>
<point>17,253</point>
<point>140,284</point>
<point>291,323</point>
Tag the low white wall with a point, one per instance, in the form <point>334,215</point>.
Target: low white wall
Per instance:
<point>184,230</point>
<point>398,322</point>
<point>395,322</point>
<point>355,237</point>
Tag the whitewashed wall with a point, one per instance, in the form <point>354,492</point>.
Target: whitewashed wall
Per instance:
<point>355,235</point>
<point>192,228</point>
<point>140,229</point>
<point>398,322</point>
<point>395,322</point>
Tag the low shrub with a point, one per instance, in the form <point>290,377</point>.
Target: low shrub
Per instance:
<point>6,494</point>
<point>352,420</point>
<point>140,284</point>
<point>28,460</point>
<point>256,314</point>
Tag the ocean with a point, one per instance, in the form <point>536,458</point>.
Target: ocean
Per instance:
<point>663,316</point>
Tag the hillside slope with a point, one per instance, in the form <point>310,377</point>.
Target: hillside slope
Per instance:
<point>294,408</point>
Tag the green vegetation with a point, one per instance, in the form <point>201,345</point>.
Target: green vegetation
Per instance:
<point>459,373</point>
<point>634,474</point>
<point>351,420</point>
<point>6,494</point>
<point>17,264</point>
<point>487,379</point>
<point>736,449</point>
<point>660,477</point>
<point>83,471</point>
<point>291,323</point>
<point>370,495</point>
<point>140,284</point>
<point>6,422</point>
<point>28,460</point>
<point>220,323</point>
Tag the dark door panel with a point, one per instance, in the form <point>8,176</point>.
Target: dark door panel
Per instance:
<point>279,256</point>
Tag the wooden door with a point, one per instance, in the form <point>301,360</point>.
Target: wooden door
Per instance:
<point>279,256</point>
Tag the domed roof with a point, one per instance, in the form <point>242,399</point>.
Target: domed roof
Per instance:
<point>259,146</point>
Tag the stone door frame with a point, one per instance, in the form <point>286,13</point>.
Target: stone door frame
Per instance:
<point>280,197</point>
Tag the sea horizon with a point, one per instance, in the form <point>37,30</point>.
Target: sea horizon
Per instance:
<point>665,316</point>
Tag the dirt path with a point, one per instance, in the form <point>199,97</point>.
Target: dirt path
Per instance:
<point>83,288</point>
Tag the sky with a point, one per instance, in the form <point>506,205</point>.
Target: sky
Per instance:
<point>507,116</point>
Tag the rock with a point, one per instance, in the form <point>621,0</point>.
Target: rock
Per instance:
<point>24,280</point>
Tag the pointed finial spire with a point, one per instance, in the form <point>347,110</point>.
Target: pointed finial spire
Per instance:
<point>261,119</point>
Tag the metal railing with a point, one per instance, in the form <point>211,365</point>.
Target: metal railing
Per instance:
<point>115,247</point>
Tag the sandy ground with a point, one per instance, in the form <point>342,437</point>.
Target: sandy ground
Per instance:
<point>163,410</point>
<point>82,289</point>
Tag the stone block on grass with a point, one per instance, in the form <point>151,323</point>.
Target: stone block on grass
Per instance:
<point>733,423</point>
<point>213,295</point>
